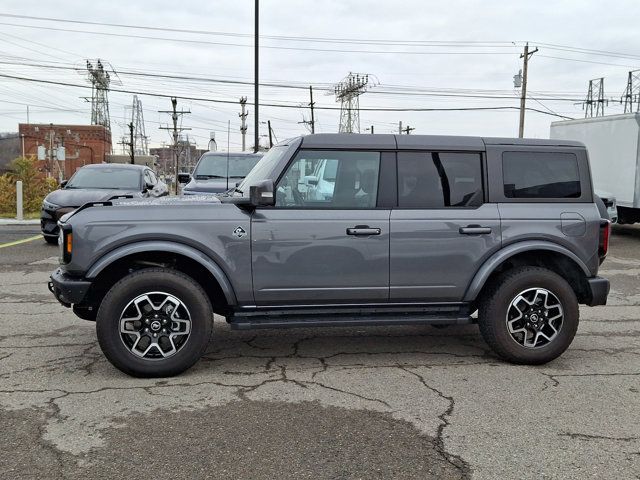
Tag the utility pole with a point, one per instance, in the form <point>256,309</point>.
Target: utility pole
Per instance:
<point>312,122</point>
<point>256,136</point>
<point>523,98</point>
<point>175,115</point>
<point>370,129</point>
<point>270,136</point>
<point>407,130</point>
<point>400,127</point>
<point>130,144</point>
<point>243,118</point>
<point>311,105</point>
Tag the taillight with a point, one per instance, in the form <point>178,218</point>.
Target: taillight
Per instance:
<point>603,244</point>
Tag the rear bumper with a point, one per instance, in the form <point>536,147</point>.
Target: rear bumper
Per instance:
<point>68,290</point>
<point>599,288</point>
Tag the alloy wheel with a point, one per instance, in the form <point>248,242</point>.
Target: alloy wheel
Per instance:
<point>155,325</point>
<point>534,317</point>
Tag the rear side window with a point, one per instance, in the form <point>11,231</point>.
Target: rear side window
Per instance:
<point>439,179</point>
<point>540,175</point>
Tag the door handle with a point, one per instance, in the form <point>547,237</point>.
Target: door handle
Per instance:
<point>363,230</point>
<point>474,230</point>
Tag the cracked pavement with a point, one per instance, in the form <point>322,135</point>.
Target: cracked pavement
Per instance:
<point>384,402</point>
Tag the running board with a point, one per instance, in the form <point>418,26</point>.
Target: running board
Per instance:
<point>315,318</point>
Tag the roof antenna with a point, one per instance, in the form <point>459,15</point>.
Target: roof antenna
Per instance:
<point>228,135</point>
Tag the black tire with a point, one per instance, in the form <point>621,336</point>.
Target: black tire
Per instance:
<point>51,240</point>
<point>85,313</point>
<point>494,306</point>
<point>174,283</point>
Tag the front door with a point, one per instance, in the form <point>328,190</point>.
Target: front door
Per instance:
<point>325,241</point>
<point>442,230</point>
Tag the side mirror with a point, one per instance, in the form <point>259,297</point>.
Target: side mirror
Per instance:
<point>311,180</point>
<point>63,183</point>
<point>184,178</point>
<point>261,194</point>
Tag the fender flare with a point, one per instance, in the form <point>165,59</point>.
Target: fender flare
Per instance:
<point>165,246</point>
<point>497,258</point>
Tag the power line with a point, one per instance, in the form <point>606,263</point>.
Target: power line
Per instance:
<point>463,93</point>
<point>357,41</point>
<point>228,44</point>
<point>274,105</point>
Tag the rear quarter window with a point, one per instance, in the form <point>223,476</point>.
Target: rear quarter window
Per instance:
<point>540,175</point>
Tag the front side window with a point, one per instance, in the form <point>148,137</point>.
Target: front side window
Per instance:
<point>540,175</point>
<point>330,179</point>
<point>439,180</point>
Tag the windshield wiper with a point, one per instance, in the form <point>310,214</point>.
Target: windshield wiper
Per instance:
<point>209,176</point>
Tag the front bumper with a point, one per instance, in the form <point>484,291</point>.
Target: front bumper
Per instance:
<point>49,219</point>
<point>68,290</point>
<point>599,288</point>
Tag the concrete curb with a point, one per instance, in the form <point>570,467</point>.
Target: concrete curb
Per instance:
<point>13,221</point>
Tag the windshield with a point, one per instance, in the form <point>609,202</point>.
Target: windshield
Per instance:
<point>215,166</point>
<point>107,178</point>
<point>263,167</point>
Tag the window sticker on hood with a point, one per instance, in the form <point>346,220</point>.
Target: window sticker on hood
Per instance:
<point>239,232</point>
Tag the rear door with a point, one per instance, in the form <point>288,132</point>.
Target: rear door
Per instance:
<point>327,238</point>
<point>442,229</point>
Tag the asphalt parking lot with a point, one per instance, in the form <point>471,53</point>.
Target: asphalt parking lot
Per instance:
<point>401,402</point>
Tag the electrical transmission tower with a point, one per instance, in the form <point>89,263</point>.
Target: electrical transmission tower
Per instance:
<point>595,86</point>
<point>140,139</point>
<point>100,81</point>
<point>631,94</point>
<point>348,92</point>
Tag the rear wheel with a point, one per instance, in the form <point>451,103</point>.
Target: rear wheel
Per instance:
<point>529,316</point>
<point>154,323</point>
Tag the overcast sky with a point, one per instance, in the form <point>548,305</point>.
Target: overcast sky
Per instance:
<point>585,24</point>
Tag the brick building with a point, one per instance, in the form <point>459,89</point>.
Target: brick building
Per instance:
<point>84,144</point>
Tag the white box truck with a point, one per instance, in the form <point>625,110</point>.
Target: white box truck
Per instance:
<point>613,144</point>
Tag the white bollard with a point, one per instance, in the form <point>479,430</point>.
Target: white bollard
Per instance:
<point>19,213</point>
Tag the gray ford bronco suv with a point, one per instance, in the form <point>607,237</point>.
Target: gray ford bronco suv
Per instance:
<point>340,229</point>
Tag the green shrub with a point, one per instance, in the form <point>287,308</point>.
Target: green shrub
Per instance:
<point>35,186</point>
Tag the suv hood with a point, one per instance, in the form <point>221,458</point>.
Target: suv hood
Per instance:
<point>166,201</point>
<point>71,197</point>
<point>143,207</point>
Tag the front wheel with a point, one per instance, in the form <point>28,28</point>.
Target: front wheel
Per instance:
<point>154,323</point>
<point>529,316</point>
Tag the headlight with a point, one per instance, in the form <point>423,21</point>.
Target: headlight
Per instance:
<point>49,206</point>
